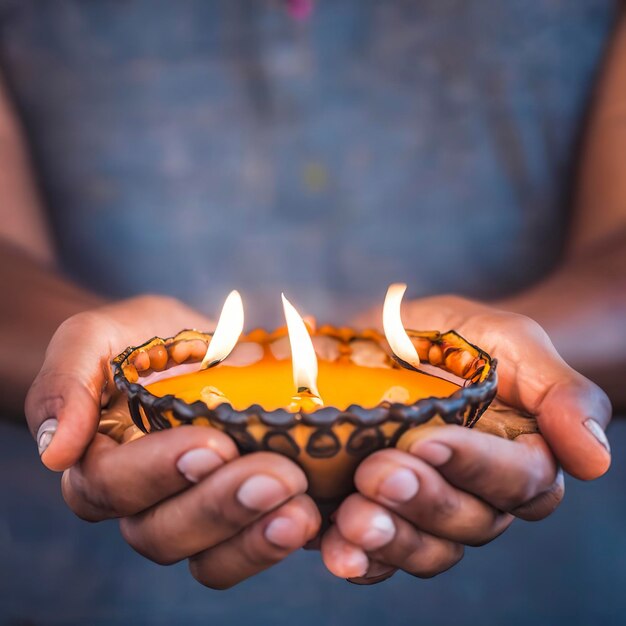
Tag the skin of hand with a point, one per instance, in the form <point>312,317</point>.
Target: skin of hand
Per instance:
<point>180,494</point>
<point>415,510</point>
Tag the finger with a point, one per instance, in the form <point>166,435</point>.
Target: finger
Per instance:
<point>259,546</point>
<point>113,480</point>
<point>389,539</point>
<point>506,474</point>
<point>215,509</point>
<point>346,560</point>
<point>571,411</point>
<point>545,503</point>
<point>572,417</point>
<point>342,558</point>
<point>63,404</point>
<point>418,493</point>
<point>115,420</point>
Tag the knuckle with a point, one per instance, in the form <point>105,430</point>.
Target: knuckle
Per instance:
<point>79,323</point>
<point>450,301</point>
<point>48,392</point>
<point>524,491</point>
<point>509,324</point>
<point>531,328</point>
<point>451,306</point>
<point>229,519</point>
<point>152,301</point>
<point>474,470</point>
<point>138,535</point>
<point>446,504</point>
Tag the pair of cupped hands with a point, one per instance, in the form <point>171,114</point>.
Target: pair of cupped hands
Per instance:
<point>186,493</point>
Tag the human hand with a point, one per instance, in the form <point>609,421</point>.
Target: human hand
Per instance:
<point>416,509</point>
<point>180,493</point>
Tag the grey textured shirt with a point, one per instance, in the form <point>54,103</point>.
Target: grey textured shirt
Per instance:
<point>193,147</point>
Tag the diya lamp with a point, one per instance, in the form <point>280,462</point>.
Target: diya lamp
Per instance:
<point>325,397</point>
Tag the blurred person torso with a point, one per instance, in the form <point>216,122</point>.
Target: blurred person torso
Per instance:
<point>193,147</point>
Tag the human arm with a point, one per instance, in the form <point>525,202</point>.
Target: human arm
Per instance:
<point>36,296</point>
<point>582,303</point>
<point>180,494</point>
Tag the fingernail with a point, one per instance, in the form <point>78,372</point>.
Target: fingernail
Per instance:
<point>380,532</point>
<point>197,464</point>
<point>560,479</point>
<point>432,452</point>
<point>261,493</point>
<point>596,430</point>
<point>400,486</point>
<point>46,433</point>
<point>284,533</point>
<point>353,563</point>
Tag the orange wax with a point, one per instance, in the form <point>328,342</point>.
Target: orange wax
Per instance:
<point>269,383</point>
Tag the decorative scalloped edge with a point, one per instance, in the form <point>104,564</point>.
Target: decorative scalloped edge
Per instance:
<point>465,406</point>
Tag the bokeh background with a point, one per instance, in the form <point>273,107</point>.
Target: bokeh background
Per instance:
<point>567,570</point>
<point>194,147</point>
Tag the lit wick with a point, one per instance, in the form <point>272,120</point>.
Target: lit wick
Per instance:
<point>401,345</point>
<point>227,331</point>
<point>304,361</point>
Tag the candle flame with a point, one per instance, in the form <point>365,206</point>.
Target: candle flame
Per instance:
<point>227,331</point>
<point>400,342</point>
<point>303,356</point>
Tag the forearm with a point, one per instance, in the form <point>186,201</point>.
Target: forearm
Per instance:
<point>582,305</point>
<point>35,297</point>
<point>35,300</point>
<point>22,219</point>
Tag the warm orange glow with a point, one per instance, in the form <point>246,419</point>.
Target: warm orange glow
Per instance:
<point>269,383</point>
<point>303,357</point>
<point>397,337</point>
<point>229,328</point>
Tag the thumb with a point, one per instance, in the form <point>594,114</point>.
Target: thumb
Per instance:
<point>63,404</point>
<point>572,417</point>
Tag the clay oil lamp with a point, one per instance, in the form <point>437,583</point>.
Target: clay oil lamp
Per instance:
<point>325,397</point>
